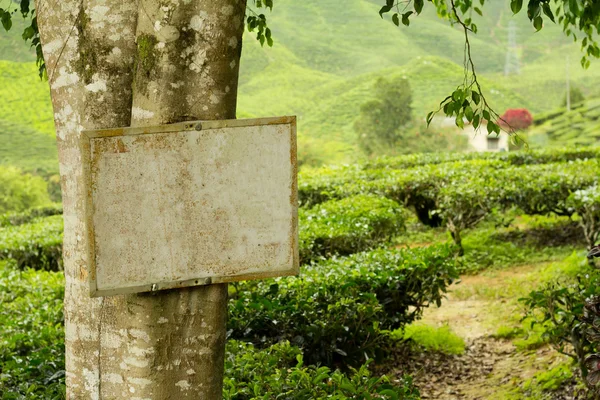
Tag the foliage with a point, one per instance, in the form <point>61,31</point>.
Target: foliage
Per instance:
<point>379,122</point>
<point>559,308</point>
<point>37,244</point>
<point>31,334</point>
<point>468,101</point>
<point>25,217</point>
<point>549,380</point>
<point>586,203</point>
<point>464,205</point>
<point>278,372</point>
<point>20,191</point>
<point>575,96</point>
<point>25,147</point>
<point>440,339</point>
<point>339,310</point>
<point>575,128</point>
<point>350,225</point>
<point>516,118</point>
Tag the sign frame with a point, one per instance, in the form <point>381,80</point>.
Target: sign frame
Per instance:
<point>86,138</point>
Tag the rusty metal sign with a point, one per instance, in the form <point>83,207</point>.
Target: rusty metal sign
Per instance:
<point>190,204</point>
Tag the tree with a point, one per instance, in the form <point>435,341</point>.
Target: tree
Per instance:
<point>378,125</point>
<point>516,118</point>
<point>576,96</point>
<point>113,64</point>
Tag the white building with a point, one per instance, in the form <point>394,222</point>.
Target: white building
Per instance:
<point>479,140</point>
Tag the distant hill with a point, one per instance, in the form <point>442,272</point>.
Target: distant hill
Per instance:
<point>560,128</point>
<point>27,149</point>
<point>328,54</point>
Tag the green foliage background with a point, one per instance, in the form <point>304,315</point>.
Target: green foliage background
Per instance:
<point>324,62</point>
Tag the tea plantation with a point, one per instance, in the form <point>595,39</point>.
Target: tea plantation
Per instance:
<point>380,243</point>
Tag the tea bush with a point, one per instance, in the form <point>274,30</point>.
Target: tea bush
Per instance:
<point>586,203</point>
<point>559,308</point>
<point>20,218</point>
<point>350,225</point>
<point>31,334</point>
<point>37,244</point>
<point>338,310</point>
<point>20,191</point>
<point>279,372</point>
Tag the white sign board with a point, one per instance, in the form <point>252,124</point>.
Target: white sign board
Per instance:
<point>190,204</point>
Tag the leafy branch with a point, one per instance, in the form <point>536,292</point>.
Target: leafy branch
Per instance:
<point>258,22</point>
<point>30,33</point>
<point>468,101</point>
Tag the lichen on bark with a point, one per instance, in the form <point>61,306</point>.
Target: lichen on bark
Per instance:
<point>146,59</point>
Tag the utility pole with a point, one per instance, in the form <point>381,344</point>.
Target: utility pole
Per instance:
<point>568,86</point>
<point>512,64</point>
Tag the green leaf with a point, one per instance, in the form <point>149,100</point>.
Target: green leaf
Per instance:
<point>418,6</point>
<point>6,20</point>
<point>478,11</point>
<point>516,6</point>
<point>486,115</point>
<point>405,19</point>
<point>476,97</point>
<point>396,19</point>
<point>384,9</point>
<point>538,23</point>
<point>469,113</point>
<point>548,12</point>
<point>430,117</point>
<point>457,95</point>
<point>476,120</point>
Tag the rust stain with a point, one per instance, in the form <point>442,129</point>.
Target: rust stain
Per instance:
<point>121,148</point>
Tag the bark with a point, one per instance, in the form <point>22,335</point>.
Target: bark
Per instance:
<point>181,59</point>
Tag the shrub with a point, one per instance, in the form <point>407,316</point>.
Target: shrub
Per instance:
<point>544,189</point>
<point>350,225</point>
<point>586,203</point>
<point>339,309</point>
<point>19,191</point>
<point>278,372</point>
<point>37,244</point>
<point>559,307</point>
<point>31,334</point>
<point>464,205</point>
<point>516,118</point>
<point>25,217</point>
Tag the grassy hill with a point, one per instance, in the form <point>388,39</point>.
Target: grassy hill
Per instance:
<point>578,127</point>
<point>27,148</point>
<point>328,54</point>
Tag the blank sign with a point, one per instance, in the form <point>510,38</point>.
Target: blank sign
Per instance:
<point>190,204</point>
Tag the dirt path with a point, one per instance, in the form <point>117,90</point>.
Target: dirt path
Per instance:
<point>490,368</point>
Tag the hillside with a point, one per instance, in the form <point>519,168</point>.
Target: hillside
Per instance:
<point>560,128</point>
<point>327,56</point>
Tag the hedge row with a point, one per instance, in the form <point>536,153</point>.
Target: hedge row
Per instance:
<point>32,361</point>
<point>279,372</point>
<point>460,194</point>
<point>13,219</point>
<point>338,310</point>
<point>337,227</point>
<point>542,156</point>
<point>347,226</point>
<point>37,244</point>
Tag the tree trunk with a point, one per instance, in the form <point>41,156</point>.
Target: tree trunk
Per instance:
<point>181,59</point>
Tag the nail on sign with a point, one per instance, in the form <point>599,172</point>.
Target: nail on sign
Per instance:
<point>190,204</point>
